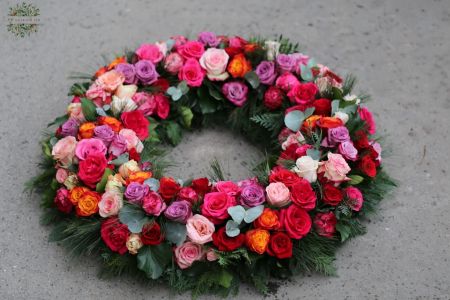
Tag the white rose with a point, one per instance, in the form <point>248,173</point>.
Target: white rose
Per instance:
<point>119,105</point>
<point>272,48</point>
<point>114,184</point>
<point>349,97</point>
<point>342,116</point>
<point>126,91</point>
<point>214,61</point>
<point>306,167</point>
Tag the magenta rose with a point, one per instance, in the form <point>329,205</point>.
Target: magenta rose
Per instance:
<point>87,147</point>
<point>287,81</point>
<point>62,201</point>
<point>228,187</point>
<point>215,206</point>
<point>367,116</point>
<point>191,49</point>
<point>354,198</point>
<point>192,73</point>
<point>303,93</point>
<point>235,92</point>
<point>153,204</point>
<point>150,52</point>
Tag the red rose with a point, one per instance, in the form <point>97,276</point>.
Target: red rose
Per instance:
<point>303,93</point>
<point>115,235</point>
<point>225,243</point>
<point>91,170</point>
<point>136,121</point>
<point>280,245</point>
<point>361,141</point>
<point>280,174</point>
<point>303,194</point>
<point>134,155</point>
<point>163,106</point>
<point>296,221</point>
<point>273,98</point>
<point>162,84</point>
<point>301,107</point>
<point>290,153</point>
<point>325,224</point>
<point>168,188</point>
<point>322,107</point>
<point>188,194</point>
<point>215,206</point>
<point>151,234</point>
<point>62,200</point>
<point>201,185</point>
<point>332,195</point>
<point>368,166</point>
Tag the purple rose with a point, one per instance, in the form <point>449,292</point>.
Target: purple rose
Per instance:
<point>335,136</point>
<point>118,145</point>
<point>286,63</point>
<point>377,147</point>
<point>266,72</point>
<point>104,133</point>
<point>70,127</point>
<point>179,211</point>
<point>128,71</point>
<point>208,39</point>
<point>135,192</point>
<point>252,195</point>
<point>300,59</point>
<point>146,72</point>
<point>246,182</point>
<point>348,151</point>
<point>236,92</point>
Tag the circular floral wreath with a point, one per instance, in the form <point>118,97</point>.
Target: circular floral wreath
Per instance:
<point>104,190</point>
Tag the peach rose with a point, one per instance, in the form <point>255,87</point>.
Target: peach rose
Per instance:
<point>188,253</point>
<point>110,204</point>
<point>110,80</point>
<point>199,229</point>
<point>134,243</point>
<point>64,150</point>
<point>335,168</point>
<point>76,193</point>
<point>278,194</point>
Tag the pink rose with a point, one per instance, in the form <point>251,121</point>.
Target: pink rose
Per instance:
<point>97,94</point>
<point>214,61</point>
<point>173,63</point>
<point>64,150</point>
<point>61,175</point>
<point>131,139</point>
<point>367,116</point>
<point>335,168</point>
<point>191,49</point>
<point>211,255</point>
<point>199,229</point>
<point>153,204</point>
<point>188,253</point>
<point>192,73</point>
<point>354,198</point>
<point>146,102</point>
<point>75,112</point>
<point>278,194</point>
<point>86,147</point>
<point>303,93</point>
<point>110,80</point>
<point>287,81</point>
<point>228,187</point>
<point>150,52</point>
<point>110,204</point>
<point>215,206</point>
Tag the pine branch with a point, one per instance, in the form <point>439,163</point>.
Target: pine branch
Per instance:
<point>216,172</point>
<point>349,84</point>
<point>271,121</point>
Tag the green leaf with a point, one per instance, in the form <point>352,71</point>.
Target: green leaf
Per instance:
<point>154,259</point>
<point>252,78</point>
<point>344,231</point>
<point>225,278</point>
<point>294,119</point>
<point>207,106</point>
<point>58,121</point>
<point>88,108</point>
<point>187,115</point>
<point>355,179</point>
<point>134,217</point>
<point>337,93</point>
<point>100,188</point>
<point>175,233</point>
<point>174,133</point>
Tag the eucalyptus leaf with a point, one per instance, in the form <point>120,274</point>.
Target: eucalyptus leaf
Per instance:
<point>232,228</point>
<point>308,112</point>
<point>294,119</point>
<point>252,78</point>
<point>313,153</point>
<point>154,259</point>
<point>237,213</point>
<point>334,106</point>
<point>134,217</point>
<point>53,141</point>
<point>253,213</point>
<point>175,233</point>
<point>175,93</point>
<point>183,87</point>
<point>123,158</point>
<point>306,73</point>
<point>100,112</point>
<point>153,183</point>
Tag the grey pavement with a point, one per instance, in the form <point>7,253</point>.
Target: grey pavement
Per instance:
<point>399,50</point>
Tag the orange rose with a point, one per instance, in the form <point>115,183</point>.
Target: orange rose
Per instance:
<point>88,204</point>
<point>100,72</point>
<point>310,123</point>
<point>250,47</point>
<point>115,124</point>
<point>268,220</point>
<point>116,61</point>
<point>257,240</point>
<point>86,130</point>
<point>139,176</point>
<point>329,122</point>
<point>239,66</point>
<point>76,193</point>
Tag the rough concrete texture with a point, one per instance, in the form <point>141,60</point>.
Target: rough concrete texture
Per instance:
<point>398,49</point>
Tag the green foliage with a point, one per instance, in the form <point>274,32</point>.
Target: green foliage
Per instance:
<point>349,228</point>
<point>271,121</point>
<point>154,259</point>
<point>88,108</point>
<point>79,89</point>
<point>134,217</point>
<point>174,133</point>
<point>375,190</point>
<point>216,172</point>
<point>349,84</point>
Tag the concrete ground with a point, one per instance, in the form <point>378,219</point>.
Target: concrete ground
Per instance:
<point>398,49</point>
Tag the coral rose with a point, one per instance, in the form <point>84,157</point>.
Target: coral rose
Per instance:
<point>239,66</point>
